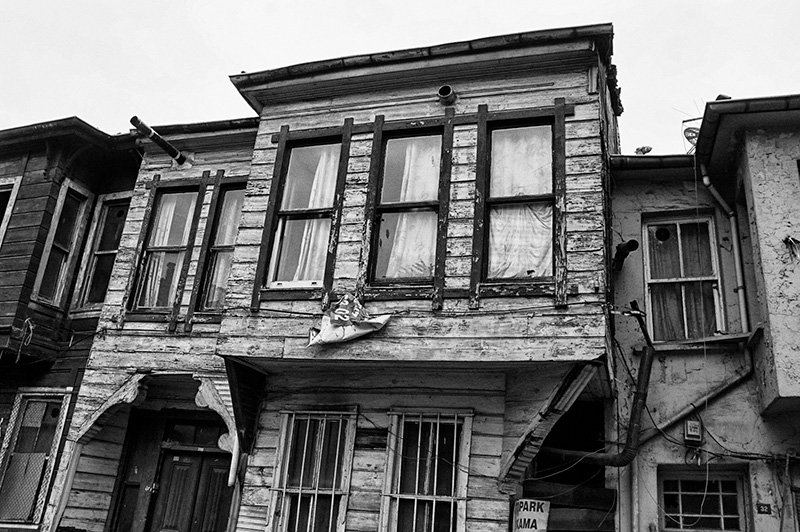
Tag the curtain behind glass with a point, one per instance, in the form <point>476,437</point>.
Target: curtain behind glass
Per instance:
<point>520,241</point>
<point>522,162</point>
<point>304,242</point>
<point>411,246</point>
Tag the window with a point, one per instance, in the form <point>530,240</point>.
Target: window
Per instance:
<point>109,221</point>
<point>427,473</point>
<point>303,229</point>
<point>313,472</point>
<point>166,248</point>
<point>520,201</point>
<point>702,500</point>
<point>519,236</point>
<point>62,243</point>
<point>220,250</point>
<point>407,210</point>
<point>682,278</point>
<point>27,457</point>
<point>9,186</point>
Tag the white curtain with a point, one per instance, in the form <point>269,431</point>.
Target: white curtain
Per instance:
<point>170,228</point>
<point>521,235</point>
<point>314,244</point>
<point>521,241</point>
<point>414,245</point>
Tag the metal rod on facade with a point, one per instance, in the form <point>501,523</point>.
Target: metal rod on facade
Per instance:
<point>150,133</point>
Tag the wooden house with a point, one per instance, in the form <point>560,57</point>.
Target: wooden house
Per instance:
<point>452,198</point>
<point>64,194</point>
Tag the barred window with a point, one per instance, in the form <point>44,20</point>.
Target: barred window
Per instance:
<point>702,501</point>
<point>427,472</point>
<point>314,471</point>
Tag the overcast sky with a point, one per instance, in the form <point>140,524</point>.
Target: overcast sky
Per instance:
<point>168,61</point>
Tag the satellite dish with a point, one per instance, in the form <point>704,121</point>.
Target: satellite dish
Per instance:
<point>691,134</point>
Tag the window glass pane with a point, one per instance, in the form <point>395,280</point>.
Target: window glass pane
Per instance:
<point>667,311</point>
<point>311,178</point>
<point>103,264</point>
<point>330,471</point>
<point>406,245</point>
<point>219,269</point>
<point>411,169</point>
<point>700,309</point>
<point>172,220</point>
<point>665,259</point>
<point>67,221</point>
<point>228,224</point>
<point>113,224</point>
<point>301,462</point>
<point>52,273</point>
<point>521,162</point>
<point>303,247</point>
<point>696,245</point>
<point>5,197</point>
<point>520,241</point>
<point>160,279</point>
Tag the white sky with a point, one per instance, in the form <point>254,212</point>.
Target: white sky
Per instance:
<point>168,61</point>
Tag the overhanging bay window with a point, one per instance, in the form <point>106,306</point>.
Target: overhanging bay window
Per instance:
<point>166,248</point>
<point>404,248</point>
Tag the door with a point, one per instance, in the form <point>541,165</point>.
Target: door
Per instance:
<point>193,493</point>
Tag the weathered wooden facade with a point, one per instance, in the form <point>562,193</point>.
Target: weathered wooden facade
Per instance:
<point>461,190</point>
<point>64,189</point>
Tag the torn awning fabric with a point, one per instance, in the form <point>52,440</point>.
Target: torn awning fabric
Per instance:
<point>346,320</point>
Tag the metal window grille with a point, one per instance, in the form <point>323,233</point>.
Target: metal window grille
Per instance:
<point>28,457</point>
<point>314,472</point>
<point>428,457</point>
<point>712,502</point>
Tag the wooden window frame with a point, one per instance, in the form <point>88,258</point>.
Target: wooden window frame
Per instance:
<point>196,310</point>
<point>678,219</point>
<point>279,492</point>
<point>12,430</point>
<point>555,285</point>
<point>10,184</point>
<point>90,251</point>
<point>713,474</point>
<point>391,495</point>
<point>287,140</point>
<point>432,288</point>
<point>158,187</point>
<point>63,289</point>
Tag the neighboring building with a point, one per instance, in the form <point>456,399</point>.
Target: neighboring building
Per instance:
<point>470,195</point>
<point>64,194</point>
<point>721,284</point>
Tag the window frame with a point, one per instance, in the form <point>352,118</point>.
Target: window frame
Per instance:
<point>681,474</point>
<point>86,270</point>
<point>556,284</point>
<point>63,288</point>
<point>287,140</point>
<point>156,188</point>
<point>390,493</point>
<point>10,184</point>
<point>279,498</point>
<point>12,432</point>
<point>221,187</point>
<point>679,219</point>
<point>407,287</point>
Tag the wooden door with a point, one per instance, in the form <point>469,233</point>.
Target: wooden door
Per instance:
<point>193,495</point>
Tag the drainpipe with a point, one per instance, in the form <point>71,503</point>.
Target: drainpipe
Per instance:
<point>737,250</point>
<point>160,141</point>
<point>631,448</point>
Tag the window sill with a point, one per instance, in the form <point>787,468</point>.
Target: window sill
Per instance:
<point>542,286</point>
<point>207,316</point>
<point>278,294</point>
<point>723,343</point>
<point>153,316</point>
<point>396,292</point>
